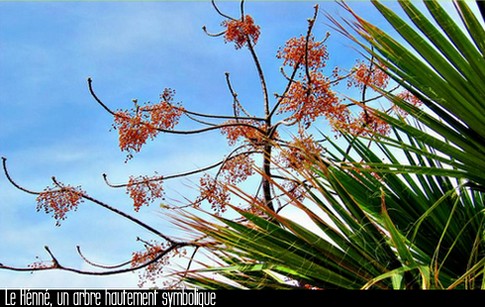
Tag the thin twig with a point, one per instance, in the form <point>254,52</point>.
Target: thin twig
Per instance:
<point>223,116</point>
<point>219,11</point>
<point>204,28</point>
<point>54,259</point>
<point>90,86</point>
<point>102,266</point>
<point>99,273</point>
<point>236,102</point>
<point>203,122</point>
<point>311,22</point>
<point>375,97</point>
<point>182,132</point>
<point>241,7</point>
<point>129,217</point>
<point>5,170</point>
<point>179,175</point>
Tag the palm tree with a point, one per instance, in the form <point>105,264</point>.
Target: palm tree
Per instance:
<point>414,220</point>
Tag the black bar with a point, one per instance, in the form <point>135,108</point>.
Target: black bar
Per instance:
<point>253,298</point>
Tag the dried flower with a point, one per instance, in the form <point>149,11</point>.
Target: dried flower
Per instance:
<point>234,131</point>
<point>301,151</point>
<point>368,124</point>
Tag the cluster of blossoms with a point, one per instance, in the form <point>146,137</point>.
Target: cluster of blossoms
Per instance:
<point>301,150</point>
<point>309,100</point>
<point>368,75</point>
<point>408,97</point>
<point>153,255</point>
<point>311,97</point>
<point>248,130</point>
<point>368,124</point>
<point>137,125</point>
<point>294,190</point>
<point>240,31</point>
<point>237,168</point>
<point>298,52</point>
<point>215,192</point>
<point>144,190</point>
<point>59,201</point>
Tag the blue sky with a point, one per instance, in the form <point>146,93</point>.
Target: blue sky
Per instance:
<point>50,125</point>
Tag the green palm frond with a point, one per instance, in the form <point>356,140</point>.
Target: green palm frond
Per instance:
<point>445,69</point>
<point>421,230</point>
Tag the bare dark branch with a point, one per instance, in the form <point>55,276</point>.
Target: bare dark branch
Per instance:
<point>204,28</point>
<point>223,116</point>
<point>99,273</point>
<point>236,103</point>
<point>311,23</point>
<point>262,80</point>
<point>102,266</point>
<point>219,11</point>
<point>90,86</point>
<point>179,175</point>
<point>241,7</point>
<point>5,170</point>
<point>129,217</point>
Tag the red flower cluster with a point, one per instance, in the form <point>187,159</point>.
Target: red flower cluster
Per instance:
<point>368,124</point>
<point>59,201</point>
<point>293,53</point>
<point>241,31</point>
<point>295,191</point>
<point>144,190</point>
<point>139,124</point>
<point>365,75</point>
<point>249,131</point>
<point>301,151</point>
<point>311,97</point>
<point>308,101</point>
<point>154,269</point>
<point>238,168</point>
<point>215,192</point>
<point>165,115</point>
<point>408,97</point>
<point>133,131</point>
